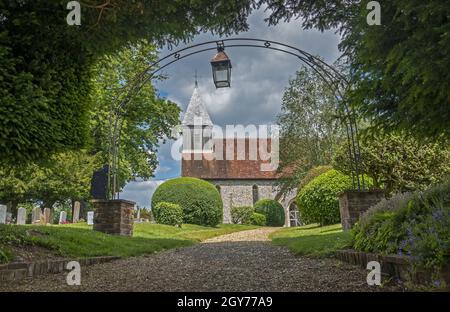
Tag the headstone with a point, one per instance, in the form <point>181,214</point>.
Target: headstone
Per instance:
<point>47,216</point>
<point>9,217</point>
<point>2,214</point>
<point>138,213</point>
<point>62,217</point>
<point>36,215</point>
<point>21,216</point>
<point>76,212</point>
<point>90,218</point>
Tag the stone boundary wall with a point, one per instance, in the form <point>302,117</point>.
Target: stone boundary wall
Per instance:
<point>16,271</point>
<point>395,266</point>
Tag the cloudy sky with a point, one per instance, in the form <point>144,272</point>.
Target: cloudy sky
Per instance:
<point>259,77</point>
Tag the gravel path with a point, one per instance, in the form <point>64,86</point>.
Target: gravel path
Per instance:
<point>242,261</point>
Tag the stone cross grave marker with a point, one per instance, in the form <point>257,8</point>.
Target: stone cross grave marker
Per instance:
<point>36,215</point>
<point>47,215</point>
<point>62,217</point>
<point>21,216</point>
<point>2,214</point>
<point>90,218</point>
<point>76,212</point>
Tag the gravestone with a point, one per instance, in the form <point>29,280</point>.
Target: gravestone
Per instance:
<point>62,217</point>
<point>76,212</point>
<point>21,216</point>
<point>47,216</point>
<point>36,215</point>
<point>9,217</point>
<point>138,217</point>
<point>90,218</point>
<point>2,214</point>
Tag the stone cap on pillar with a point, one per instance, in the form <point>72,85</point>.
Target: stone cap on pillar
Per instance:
<point>360,191</point>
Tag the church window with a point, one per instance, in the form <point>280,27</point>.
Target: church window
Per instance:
<point>255,193</point>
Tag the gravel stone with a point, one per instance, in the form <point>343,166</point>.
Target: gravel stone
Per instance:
<point>241,261</point>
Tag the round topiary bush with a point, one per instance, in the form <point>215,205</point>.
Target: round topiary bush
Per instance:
<point>168,213</point>
<point>318,201</point>
<point>273,211</point>
<point>200,200</point>
<point>258,219</point>
<point>241,215</point>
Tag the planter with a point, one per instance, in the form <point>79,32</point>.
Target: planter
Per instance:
<point>353,203</point>
<point>114,216</point>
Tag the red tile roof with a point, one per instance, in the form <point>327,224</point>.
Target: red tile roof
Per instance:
<point>234,168</point>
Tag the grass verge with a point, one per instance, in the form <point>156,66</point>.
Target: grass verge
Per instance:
<point>79,240</point>
<point>313,240</point>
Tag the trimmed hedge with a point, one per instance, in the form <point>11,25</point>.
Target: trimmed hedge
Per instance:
<point>413,224</point>
<point>241,215</point>
<point>312,174</point>
<point>258,219</point>
<point>168,213</point>
<point>273,211</point>
<point>200,200</point>
<point>318,201</point>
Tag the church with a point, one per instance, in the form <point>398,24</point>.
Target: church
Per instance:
<point>239,179</point>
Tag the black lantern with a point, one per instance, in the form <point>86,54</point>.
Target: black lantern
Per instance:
<point>221,68</point>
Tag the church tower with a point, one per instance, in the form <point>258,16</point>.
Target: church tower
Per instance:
<point>197,126</point>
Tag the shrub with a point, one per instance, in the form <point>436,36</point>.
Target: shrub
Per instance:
<point>416,225</point>
<point>241,215</point>
<point>272,210</point>
<point>318,201</point>
<point>168,213</point>
<point>200,200</point>
<point>312,174</point>
<point>258,219</point>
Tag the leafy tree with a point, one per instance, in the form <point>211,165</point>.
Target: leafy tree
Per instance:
<point>310,129</point>
<point>398,162</point>
<point>68,176</point>
<point>399,69</point>
<point>45,65</point>
<point>65,176</point>
<point>146,118</point>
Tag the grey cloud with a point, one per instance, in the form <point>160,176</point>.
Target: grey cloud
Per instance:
<point>258,81</point>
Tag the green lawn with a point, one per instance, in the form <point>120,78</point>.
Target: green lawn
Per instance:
<point>79,240</point>
<point>312,240</point>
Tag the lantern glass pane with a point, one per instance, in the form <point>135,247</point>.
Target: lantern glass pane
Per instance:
<point>222,75</point>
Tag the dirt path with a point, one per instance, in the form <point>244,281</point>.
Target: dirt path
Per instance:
<point>242,261</point>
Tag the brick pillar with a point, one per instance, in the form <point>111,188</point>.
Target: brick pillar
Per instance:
<point>114,216</point>
<point>353,203</point>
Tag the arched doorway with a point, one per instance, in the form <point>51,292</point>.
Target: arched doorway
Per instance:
<point>294,215</point>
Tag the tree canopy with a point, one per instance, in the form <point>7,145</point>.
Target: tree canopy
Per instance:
<point>397,162</point>
<point>45,64</point>
<point>310,127</point>
<point>147,118</point>
<point>399,70</point>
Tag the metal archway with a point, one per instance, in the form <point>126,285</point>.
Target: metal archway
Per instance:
<point>330,75</point>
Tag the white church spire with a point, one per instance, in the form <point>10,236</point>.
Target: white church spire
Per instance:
<point>196,113</point>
